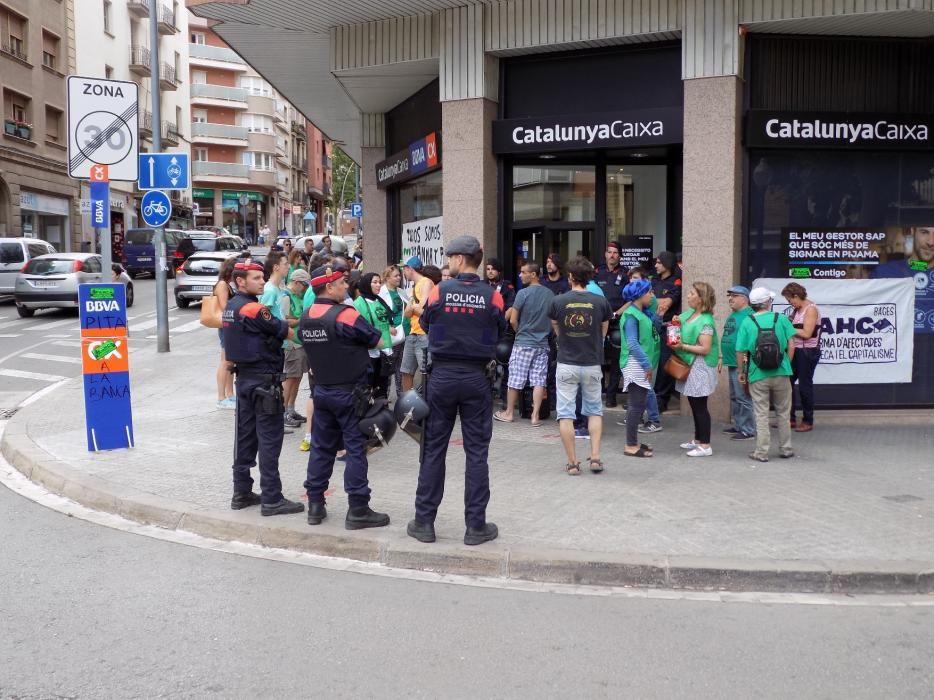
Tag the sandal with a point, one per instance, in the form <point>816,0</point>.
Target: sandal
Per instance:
<point>643,451</point>
<point>498,416</point>
<point>573,469</point>
<point>596,465</point>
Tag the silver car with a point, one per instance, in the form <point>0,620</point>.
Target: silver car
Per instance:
<point>14,254</point>
<point>196,278</point>
<point>51,281</point>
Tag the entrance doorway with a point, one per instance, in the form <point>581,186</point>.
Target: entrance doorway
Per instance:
<point>536,243</point>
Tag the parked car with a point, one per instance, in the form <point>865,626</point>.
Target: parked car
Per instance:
<point>139,254</point>
<point>14,254</point>
<point>217,230</point>
<point>120,275</point>
<point>338,244</point>
<point>51,281</point>
<point>196,278</point>
<point>207,242</point>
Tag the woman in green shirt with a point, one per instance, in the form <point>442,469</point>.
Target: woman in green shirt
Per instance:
<point>379,315</point>
<point>392,280</point>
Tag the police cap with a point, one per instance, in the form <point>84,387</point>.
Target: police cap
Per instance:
<point>327,274</point>
<point>463,245</point>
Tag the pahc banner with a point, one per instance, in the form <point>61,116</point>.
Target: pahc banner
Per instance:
<point>424,239</point>
<point>866,331</point>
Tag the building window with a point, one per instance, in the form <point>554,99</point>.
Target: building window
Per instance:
<point>256,85</point>
<point>256,123</point>
<point>108,72</point>
<point>178,64</point>
<point>199,77</point>
<point>16,106</point>
<point>53,124</point>
<point>197,38</point>
<point>258,161</point>
<point>108,17</point>
<point>199,116</point>
<point>14,34</point>
<point>50,50</point>
<point>201,154</point>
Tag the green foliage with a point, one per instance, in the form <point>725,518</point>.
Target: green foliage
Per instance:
<point>343,169</point>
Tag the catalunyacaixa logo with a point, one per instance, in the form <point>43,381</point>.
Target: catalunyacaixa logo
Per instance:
<point>852,132</point>
<point>586,133</point>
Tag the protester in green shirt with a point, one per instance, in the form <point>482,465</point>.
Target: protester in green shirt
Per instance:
<point>392,280</point>
<point>743,426</point>
<point>378,314</point>
<point>766,386</point>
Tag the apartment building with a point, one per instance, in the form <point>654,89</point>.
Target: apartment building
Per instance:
<point>320,181</point>
<point>37,199</point>
<point>113,41</point>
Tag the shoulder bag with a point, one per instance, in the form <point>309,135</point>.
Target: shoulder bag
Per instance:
<point>211,311</point>
<point>677,368</point>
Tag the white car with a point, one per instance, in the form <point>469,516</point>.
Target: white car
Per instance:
<point>14,254</point>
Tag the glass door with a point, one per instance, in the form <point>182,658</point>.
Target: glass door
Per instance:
<point>535,244</point>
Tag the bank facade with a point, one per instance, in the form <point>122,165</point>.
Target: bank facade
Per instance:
<point>728,131</point>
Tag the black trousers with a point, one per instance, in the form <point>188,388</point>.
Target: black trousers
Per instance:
<point>701,418</point>
<point>638,395</point>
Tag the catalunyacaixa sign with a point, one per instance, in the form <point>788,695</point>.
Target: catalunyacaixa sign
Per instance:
<point>419,158</point>
<point>633,129</point>
<point>850,130</point>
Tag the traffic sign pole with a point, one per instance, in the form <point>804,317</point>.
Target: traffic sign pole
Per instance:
<point>99,175</point>
<point>162,299</point>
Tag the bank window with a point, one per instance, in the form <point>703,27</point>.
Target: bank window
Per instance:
<point>553,193</point>
<point>258,161</point>
<point>198,38</point>
<point>53,124</point>
<point>420,198</point>
<point>50,50</point>
<point>108,17</point>
<point>14,34</point>
<point>201,154</point>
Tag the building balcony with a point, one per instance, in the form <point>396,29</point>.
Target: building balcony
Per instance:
<point>326,189</point>
<point>298,129</point>
<point>205,56</point>
<point>237,173</point>
<point>282,182</point>
<point>138,8</point>
<point>139,61</point>
<point>326,162</point>
<point>260,104</point>
<point>219,134</point>
<point>170,134</point>
<point>218,96</point>
<point>167,78</point>
<point>279,115</point>
<point>263,178</point>
<point>145,124</point>
<point>261,142</point>
<point>166,23</point>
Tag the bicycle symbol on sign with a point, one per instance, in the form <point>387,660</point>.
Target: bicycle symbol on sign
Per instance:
<point>155,208</point>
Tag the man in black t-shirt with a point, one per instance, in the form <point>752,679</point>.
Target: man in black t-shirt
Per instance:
<point>580,319</point>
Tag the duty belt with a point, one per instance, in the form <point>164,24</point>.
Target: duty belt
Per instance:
<point>271,377</point>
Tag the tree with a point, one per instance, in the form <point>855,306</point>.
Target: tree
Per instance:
<point>343,171</point>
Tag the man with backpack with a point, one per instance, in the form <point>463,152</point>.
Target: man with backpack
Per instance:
<point>764,350</point>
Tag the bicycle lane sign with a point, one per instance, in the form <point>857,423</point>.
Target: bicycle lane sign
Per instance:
<point>156,208</point>
<point>103,127</point>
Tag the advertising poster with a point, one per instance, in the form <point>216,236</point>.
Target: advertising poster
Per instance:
<point>866,331</point>
<point>636,251</point>
<point>890,252</point>
<point>424,239</point>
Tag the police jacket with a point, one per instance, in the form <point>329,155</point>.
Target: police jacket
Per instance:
<point>669,288</point>
<point>336,339</point>
<point>611,282</point>
<point>506,290</point>
<point>464,319</point>
<point>253,336</point>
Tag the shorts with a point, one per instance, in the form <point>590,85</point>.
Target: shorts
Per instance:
<point>567,379</point>
<point>296,363</point>
<point>527,362</point>
<point>413,359</point>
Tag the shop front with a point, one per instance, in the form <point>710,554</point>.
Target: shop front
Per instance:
<point>202,206</point>
<point>840,198</point>
<point>46,217</point>
<point>589,147</point>
<point>243,212</point>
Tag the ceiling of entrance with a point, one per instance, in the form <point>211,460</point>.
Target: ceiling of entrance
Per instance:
<point>288,42</point>
<point>906,23</point>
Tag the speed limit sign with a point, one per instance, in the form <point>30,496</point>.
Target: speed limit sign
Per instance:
<point>103,127</point>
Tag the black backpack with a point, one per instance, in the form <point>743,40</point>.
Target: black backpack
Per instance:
<point>768,353</point>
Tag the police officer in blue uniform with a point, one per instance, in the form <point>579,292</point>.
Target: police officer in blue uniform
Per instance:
<point>611,278</point>
<point>464,319</point>
<point>336,339</point>
<point>253,342</point>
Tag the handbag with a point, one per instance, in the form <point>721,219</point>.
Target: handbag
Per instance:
<point>386,368</point>
<point>211,312</point>
<point>676,368</point>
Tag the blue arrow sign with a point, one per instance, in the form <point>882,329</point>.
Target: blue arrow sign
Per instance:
<point>100,204</point>
<point>356,210</point>
<point>156,208</point>
<point>164,171</point>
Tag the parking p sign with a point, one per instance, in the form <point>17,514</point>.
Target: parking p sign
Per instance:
<point>103,127</point>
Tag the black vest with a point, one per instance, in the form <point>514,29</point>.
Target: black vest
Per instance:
<point>332,359</point>
<point>464,327</point>
<point>250,349</point>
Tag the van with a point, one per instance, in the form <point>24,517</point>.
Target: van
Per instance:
<point>14,254</point>
<point>139,254</point>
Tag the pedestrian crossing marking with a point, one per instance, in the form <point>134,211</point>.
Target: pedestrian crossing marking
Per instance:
<point>10,335</point>
<point>53,324</point>
<point>19,374</point>
<point>51,358</point>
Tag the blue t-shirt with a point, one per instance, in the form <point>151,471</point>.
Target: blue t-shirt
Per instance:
<point>272,298</point>
<point>534,306</point>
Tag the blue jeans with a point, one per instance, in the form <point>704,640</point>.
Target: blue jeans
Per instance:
<point>651,408</point>
<point>741,405</point>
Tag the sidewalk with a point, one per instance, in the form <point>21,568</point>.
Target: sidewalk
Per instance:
<point>854,511</point>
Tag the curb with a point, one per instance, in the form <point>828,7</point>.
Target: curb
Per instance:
<point>531,565</point>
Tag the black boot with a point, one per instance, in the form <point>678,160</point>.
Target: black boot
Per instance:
<point>316,512</point>
<point>283,507</point>
<point>363,516</point>
<point>479,535</point>
<point>423,532</point>
<point>244,500</point>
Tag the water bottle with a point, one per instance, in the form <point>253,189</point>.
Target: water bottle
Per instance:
<point>674,331</point>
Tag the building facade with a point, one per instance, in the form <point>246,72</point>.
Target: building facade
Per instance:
<point>724,130</point>
<point>37,51</point>
<point>113,42</point>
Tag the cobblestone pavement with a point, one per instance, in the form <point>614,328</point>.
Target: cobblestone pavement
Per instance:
<point>854,491</point>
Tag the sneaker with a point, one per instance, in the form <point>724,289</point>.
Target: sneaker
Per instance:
<point>423,532</point>
<point>743,436</point>
<point>291,422</point>
<point>364,517</point>
<point>227,404</point>
<point>730,431</point>
<point>649,427</point>
<point>699,451</point>
<point>688,445</point>
<point>581,434</point>
<point>787,454</point>
<point>283,507</point>
<point>479,535</point>
<point>621,421</point>
<point>295,415</point>
<point>304,445</point>
<point>758,457</point>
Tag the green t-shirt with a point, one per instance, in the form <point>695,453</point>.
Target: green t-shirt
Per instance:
<point>295,311</point>
<point>746,342</point>
<point>308,299</point>
<point>728,340</point>
<point>376,315</point>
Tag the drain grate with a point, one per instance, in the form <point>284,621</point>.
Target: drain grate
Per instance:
<point>903,498</point>
<point>7,413</point>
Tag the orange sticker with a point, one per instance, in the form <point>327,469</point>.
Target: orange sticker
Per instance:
<point>99,173</point>
<point>102,355</point>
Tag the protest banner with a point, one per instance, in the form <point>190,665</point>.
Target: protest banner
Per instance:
<point>424,239</point>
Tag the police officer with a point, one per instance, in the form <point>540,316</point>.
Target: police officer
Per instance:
<point>464,319</point>
<point>611,278</point>
<point>336,339</point>
<point>253,342</point>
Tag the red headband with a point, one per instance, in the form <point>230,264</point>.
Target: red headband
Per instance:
<point>248,266</point>
<point>327,279</point>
